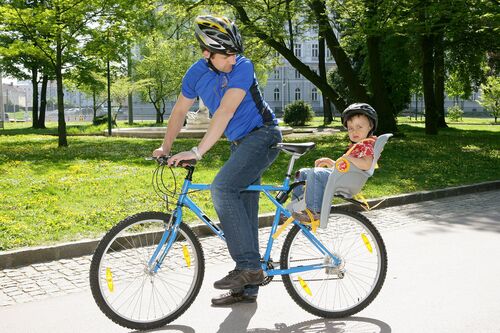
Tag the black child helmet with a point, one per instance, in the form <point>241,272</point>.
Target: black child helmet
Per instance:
<point>218,34</point>
<point>360,108</point>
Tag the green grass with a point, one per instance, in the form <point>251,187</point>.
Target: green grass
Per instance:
<point>72,128</point>
<point>50,194</point>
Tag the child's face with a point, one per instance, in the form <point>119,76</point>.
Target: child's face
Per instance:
<point>358,127</point>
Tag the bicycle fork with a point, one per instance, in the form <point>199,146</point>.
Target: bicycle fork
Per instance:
<point>168,238</point>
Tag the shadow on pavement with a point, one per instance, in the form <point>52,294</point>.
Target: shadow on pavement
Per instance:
<point>170,328</point>
<point>239,318</point>
<point>347,325</point>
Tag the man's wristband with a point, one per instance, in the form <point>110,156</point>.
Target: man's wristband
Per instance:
<point>196,153</point>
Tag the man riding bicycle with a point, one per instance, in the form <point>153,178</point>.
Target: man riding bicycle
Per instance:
<point>225,81</point>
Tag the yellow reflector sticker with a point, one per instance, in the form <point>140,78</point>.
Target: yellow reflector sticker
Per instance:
<point>304,286</point>
<point>187,257</point>
<point>109,279</point>
<point>367,243</point>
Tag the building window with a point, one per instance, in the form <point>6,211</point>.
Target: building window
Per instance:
<point>276,94</point>
<point>328,54</point>
<point>314,50</point>
<point>276,74</point>
<point>314,94</point>
<point>297,94</point>
<point>297,74</point>
<point>297,50</point>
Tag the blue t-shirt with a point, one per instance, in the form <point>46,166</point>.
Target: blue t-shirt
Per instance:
<point>253,111</point>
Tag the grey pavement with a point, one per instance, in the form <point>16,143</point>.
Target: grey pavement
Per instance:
<point>442,277</point>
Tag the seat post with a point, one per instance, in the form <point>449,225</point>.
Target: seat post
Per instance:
<point>291,163</point>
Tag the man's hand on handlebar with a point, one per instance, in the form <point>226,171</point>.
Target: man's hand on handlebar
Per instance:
<point>183,158</point>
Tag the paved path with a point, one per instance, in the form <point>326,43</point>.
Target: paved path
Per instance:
<point>443,277</point>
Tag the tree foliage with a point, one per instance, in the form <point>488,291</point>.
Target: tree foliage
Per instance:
<point>490,97</point>
<point>162,68</point>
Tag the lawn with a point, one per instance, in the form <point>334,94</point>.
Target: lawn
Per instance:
<point>50,194</point>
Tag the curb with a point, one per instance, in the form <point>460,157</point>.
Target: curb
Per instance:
<point>33,255</point>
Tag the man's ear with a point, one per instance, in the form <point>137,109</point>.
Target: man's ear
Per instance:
<point>206,54</point>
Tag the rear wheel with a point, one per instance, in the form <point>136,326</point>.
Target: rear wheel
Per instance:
<point>335,292</point>
<point>124,287</point>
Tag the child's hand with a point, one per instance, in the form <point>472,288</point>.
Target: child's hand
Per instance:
<point>324,162</point>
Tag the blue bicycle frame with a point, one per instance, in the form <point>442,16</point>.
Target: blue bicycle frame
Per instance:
<point>170,233</point>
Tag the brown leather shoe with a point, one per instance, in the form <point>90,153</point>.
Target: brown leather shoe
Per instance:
<point>237,279</point>
<point>232,298</point>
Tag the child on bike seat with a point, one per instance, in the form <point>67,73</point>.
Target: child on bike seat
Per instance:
<point>360,119</point>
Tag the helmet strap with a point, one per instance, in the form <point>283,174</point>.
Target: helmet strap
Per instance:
<point>210,65</point>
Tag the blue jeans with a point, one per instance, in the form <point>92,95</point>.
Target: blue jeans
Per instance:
<point>238,209</point>
<point>316,179</point>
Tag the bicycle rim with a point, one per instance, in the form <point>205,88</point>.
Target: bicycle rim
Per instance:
<point>132,295</point>
<point>341,291</point>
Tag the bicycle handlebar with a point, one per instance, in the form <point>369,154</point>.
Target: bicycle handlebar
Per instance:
<point>163,160</point>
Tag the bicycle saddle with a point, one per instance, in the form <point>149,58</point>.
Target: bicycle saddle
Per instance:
<point>296,148</point>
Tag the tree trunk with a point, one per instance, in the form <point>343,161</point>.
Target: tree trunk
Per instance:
<point>61,122</point>
<point>43,101</point>
<point>327,109</point>
<point>290,25</point>
<point>427,46</point>
<point>343,62</point>
<point>159,118</point>
<point>34,84</point>
<point>386,119</point>
<point>439,72</point>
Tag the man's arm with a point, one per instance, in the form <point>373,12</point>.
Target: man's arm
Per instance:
<point>175,123</point>
<point>229,103</point>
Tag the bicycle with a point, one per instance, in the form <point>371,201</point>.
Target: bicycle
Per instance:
<point>148,269</point>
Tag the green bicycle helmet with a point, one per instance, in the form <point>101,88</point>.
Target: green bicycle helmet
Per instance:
<point>218,34</point>
<point>360,108</point>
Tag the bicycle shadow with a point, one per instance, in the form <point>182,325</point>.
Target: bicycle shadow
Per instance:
<point>239,318</point>
<point>344,325</point>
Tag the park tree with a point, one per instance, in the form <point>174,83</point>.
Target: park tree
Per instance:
<point>21,59</point>
<point>57,28</point>
<point>162,67</point>
<point>490,96</point>
<point>454,38</point>
<point>123,87</point>
<point>92,83</point>
<point>64,31</point>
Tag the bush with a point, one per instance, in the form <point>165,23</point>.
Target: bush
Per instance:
<point>455,113</point>
<point>298,113</point>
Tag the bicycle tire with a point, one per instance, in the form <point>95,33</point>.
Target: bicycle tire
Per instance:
<point>123,287</point>
<point>354,284</point>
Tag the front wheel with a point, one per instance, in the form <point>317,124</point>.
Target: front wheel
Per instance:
<point>336,291</point>
<point>127,290</point>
